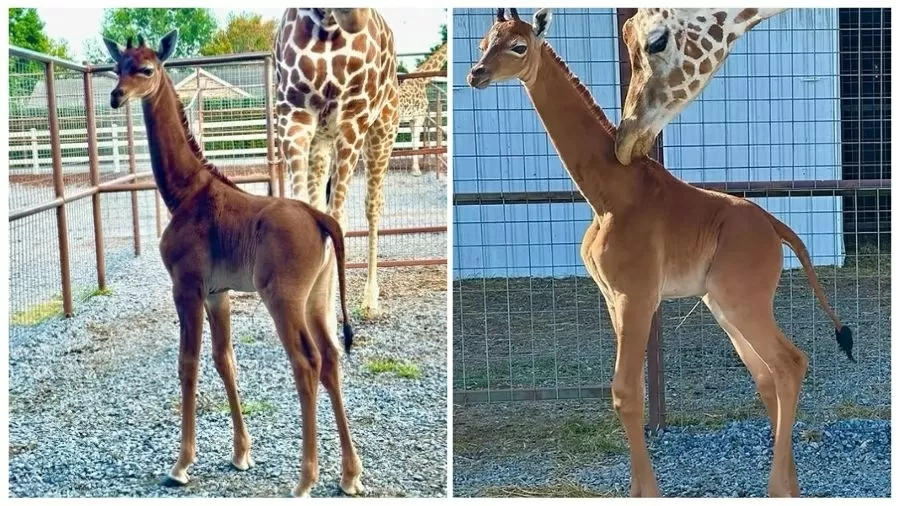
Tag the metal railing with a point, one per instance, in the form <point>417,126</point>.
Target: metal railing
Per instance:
<point>69,188</point>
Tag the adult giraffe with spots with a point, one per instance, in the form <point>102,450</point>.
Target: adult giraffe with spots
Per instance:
<point>654,237</point>
<point>674,54</point>
<point>221,238</point>
<point>336,97</point>
<point>414,99</point>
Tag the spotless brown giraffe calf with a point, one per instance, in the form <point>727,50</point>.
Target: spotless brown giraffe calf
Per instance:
<point>654,237</point>
<point>221,238</point>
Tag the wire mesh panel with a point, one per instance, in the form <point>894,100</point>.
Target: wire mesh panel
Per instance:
<point>528,322</point>
<point>803,101</point>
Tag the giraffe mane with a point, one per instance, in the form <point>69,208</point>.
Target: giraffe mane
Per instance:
<point>585,93</point>
<point>192,141</point>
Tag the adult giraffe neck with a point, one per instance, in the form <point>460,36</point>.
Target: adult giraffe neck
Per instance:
<point>581,133</point>
<point>178,164</point>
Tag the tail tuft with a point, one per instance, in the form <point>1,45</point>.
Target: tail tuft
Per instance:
<point>348,337</point>
<point>845,341</point>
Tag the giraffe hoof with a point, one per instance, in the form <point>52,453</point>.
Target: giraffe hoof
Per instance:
<point>172,481</point>
<point>242,463</point>
<point>354,487</point>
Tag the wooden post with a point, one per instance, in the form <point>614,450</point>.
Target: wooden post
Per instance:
<point>655,377</point>
<point>132,169</point>
<point>59,188</point>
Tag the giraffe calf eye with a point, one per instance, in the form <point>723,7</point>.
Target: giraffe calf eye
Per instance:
<point>518,49</point>
<point>147,71</point>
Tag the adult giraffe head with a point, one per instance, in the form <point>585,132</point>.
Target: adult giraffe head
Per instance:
<point>674,54</point>
<point>350,20</point>
<point>139,68</point>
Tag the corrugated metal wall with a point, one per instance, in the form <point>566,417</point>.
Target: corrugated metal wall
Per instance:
<point>772,113</point>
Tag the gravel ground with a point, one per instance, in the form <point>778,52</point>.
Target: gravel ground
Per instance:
<point>94,398</point>
<point>34,276</point>
<point>846,458</point>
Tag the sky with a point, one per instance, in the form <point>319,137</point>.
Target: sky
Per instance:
<point>415,30</point>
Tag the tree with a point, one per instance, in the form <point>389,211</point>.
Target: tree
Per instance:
<point>245,33</point>
<point>195,29</point>
<point>26,30</point>
<point>421,60</point>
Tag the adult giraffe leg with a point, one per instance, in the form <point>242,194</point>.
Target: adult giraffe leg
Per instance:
<point>189,305</point>
<point>415,129</point>
<point>218,310</point>
<point>319,316</point>
<point>379,144</point>
<point>295,133</point>
<point>631,316</point>
<point>289,313</point>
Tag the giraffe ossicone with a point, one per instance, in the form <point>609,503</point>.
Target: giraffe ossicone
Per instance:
<point>674,54</point>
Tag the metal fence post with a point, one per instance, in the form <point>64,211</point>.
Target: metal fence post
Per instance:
<point>656,391</point>
<point>132,169</point>
<point>60,190</point>
<point>115,147</point>
<point>35,166</point>
<point>438,135</point>
<point>93,163</point>
<point>270,132</point>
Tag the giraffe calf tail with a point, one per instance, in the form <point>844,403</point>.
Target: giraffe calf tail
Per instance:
<point>842,333</point>
<point>332,228</point>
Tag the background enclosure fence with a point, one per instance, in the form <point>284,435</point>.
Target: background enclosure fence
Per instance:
<point>797,120</point>
<point>82,200</point>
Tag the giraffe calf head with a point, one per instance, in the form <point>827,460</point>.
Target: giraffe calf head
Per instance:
<point>511,48</point>
<point>139,68</point>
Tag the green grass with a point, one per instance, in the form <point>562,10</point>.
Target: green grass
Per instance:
<point>560,489</point>
<point>602,435</point>
<point>38,313</point>
<point>248,408</point>
<point>45,310</point>
<point>246,339</point>
<point>849,409</point>
<point>403,369</point>
<point>717,419</point>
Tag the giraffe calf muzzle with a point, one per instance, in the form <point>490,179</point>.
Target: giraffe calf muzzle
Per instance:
<point>479,77</point>
<point>116,98</point>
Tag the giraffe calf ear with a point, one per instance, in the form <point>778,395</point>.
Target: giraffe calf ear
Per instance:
<point>167,45</point>
<point>541,22</point>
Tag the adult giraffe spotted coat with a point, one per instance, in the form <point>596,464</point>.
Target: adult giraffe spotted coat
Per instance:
<point>674,54</point>
<point>655,237</point>
<point>336,97</point>
<point>414,99</point>
<point>221,238</point>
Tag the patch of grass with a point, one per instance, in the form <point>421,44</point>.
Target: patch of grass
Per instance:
<point>43,311</point>
<point>811,435</point>
<point>849,409</point>
<point>403,369</point>
<point>19,448</point>
<point>560,489</point>
<point>602,435</point>
<point>246,339</point>
<point>248,408</point>
<point>717,419</point>
<point>38,313</point>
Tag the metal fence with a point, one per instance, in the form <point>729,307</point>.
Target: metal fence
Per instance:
<point>798,119</point>
<point>82,198</point>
